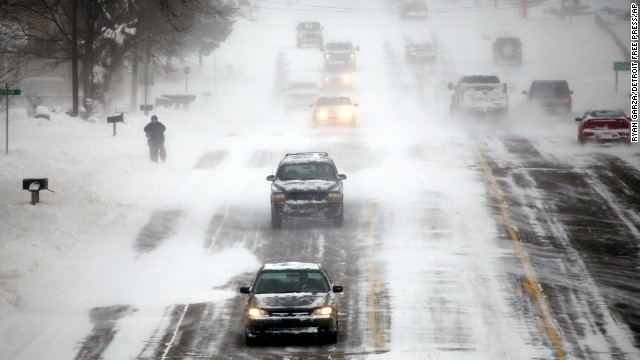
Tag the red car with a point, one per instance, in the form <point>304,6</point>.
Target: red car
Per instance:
<point>603,126</point>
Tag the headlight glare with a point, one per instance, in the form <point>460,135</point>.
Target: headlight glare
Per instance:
<point>327,310</point>
<point>255,312</point>
<point>322,115</point>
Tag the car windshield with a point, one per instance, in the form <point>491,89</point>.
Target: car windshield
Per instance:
<point>549,88</point>
<point>422,46</point>
<point>290,281</point>
<point>309,26</point>
<point>307,171</point>
<point>336,68</point>
<point>606,114</point>
<point>339,46</point>
<point>302,86</point>
<point>414,5</point>
<point>480,79</point>
<point>333,101</point>
<point>502,41</point>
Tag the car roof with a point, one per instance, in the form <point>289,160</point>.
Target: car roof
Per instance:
<point>292,158</point>
<point>549,81</point>
<point>332,42</point>
<point>508,38</point>
<point>292,265</point>
<point>604,113</point>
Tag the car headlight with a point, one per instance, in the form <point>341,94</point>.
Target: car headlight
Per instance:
<point>346,114</point>
<point>353,55</point>
<point>327,79</point>
<point>327,56</point>
<point>277,198</point>
<point>255,312</point>
<point>322,115</point>
<point>324,311</point>
<point>334,197</point>
<point>346,78</point>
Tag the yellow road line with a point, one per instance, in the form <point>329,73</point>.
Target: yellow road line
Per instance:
<point>531,285</point>
<point>377,337</point>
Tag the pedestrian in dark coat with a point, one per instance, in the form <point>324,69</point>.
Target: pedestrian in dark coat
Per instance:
<point>155,138</point>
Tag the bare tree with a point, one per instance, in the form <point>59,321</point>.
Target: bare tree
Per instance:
<point>111,35</point>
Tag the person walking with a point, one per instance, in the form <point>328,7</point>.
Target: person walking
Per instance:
<point>155,138</point>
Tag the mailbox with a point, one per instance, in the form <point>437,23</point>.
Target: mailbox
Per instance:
<point>115,119</point>
<point>35,184</point>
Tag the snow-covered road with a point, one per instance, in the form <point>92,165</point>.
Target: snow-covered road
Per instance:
<point>457,241</point>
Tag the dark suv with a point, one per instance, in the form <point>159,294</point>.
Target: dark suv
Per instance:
<point>306,185</point>
<point>553,95</point>
<point>309,33</point>
<point>507,49</point>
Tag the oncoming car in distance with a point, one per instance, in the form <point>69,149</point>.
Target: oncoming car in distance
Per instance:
<point>291,298</point>
<point>334,110</point>
<point>307,185</point>
<point>337,75</point>
<point>340,51</point>
<point>420,53</point>
<point>298,94</point>
<point>604,126</point>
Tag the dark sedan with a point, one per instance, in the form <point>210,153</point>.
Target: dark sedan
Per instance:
<point>291,298</point>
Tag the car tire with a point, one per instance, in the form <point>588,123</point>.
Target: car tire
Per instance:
<point>338,220</point>
<point>580,140</point>
<point>276,220</point>
<point>331,337</point>
<point>250,340</point>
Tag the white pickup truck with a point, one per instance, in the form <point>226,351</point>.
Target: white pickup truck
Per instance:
<point>479,95</point>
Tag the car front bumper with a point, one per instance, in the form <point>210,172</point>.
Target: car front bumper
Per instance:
<point>296,209</point>
<point>305,324</point>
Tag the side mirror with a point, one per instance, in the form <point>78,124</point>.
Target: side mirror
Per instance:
<point>571,92</point>
<point>357,48</point>
<point>524,92</point>
<point>356,104</point>
<point>271,177</point>
<point>337,289</point>
<point>342,177</point>
<point>578,119</point>
<point>244,289</point>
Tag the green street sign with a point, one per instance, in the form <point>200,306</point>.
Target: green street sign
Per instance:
<point>9,91</point>
<point>622,65</point>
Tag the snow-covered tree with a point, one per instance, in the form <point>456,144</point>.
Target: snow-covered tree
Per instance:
<point>113,35</point>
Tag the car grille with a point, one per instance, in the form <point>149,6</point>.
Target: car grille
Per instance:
<point>290,314</point>
<point>306,195</point>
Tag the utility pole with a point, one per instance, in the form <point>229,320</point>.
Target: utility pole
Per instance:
<point>74,59</point>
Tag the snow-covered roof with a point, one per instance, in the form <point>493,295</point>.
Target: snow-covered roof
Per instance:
<point>291,266</point>
<point>306,157</point>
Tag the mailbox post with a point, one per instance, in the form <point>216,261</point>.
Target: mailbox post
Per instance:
<point>34,186</point>
<point>114,120</point>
